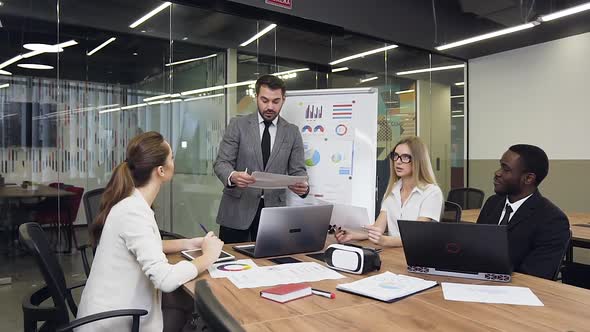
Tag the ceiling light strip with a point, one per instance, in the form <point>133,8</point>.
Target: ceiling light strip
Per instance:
<point>426,70</point>
<point>487,36</point>
<point>149,15</point>
<point>99,47</point>
<point>258,35</point>
<point>190,60</point>
<point>565,12</point>
<point>404,91</point>
<point>363,54</point>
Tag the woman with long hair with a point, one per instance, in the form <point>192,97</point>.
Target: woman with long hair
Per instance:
<point>130,269</point>
<point>412,194</point>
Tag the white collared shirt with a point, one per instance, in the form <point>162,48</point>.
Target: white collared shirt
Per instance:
<point>514,207</point>
<point>272,129</point>
<point>426,202</point>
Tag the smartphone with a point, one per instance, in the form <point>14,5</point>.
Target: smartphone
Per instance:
<point>284,260</point>
<point>194,253</point>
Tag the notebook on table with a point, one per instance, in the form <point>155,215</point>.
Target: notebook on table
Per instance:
<point>286,293</point>
<point>387,286</point>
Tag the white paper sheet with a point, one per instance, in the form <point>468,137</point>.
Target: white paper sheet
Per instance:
<point>227,269</point>
<point>490,294</point>
<point>387,286</point>
<point>275,181</point>
<point>283,274</point>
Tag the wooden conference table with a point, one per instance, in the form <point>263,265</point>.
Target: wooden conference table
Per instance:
<point>565,307</point>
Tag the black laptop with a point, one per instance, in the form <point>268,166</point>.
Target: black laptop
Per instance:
<point>464,250</point>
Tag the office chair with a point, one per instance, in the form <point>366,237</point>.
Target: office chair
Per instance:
<point>91,201</point>
<point>57,317</point>
<point>212,316</point>
<point>564,263</point>
<point>48,213</point>
<point>467,198</point>
<point>576,274</point>
<point>452,212</point>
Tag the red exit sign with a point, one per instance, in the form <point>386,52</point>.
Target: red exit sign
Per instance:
<point>281,3</point>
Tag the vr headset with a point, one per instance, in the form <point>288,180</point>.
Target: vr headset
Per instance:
<point>352,259</point>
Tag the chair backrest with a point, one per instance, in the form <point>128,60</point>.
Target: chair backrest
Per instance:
<point>72,203</point>
<point>212,312</point>
<point>91,201</point>
<point>562,262</point>
<point>452,212</point>
<point>33,238</point>
<point>467,198</point>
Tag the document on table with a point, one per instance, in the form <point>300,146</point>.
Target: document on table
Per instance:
<point>283,274</point>
<point>227,269</point>
<point>275,181</point>
<point>387,286</point>
<point>490,294</point>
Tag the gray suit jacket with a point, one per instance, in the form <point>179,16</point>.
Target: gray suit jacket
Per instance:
<point>240,149</point>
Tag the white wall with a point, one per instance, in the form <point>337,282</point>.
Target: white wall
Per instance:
<point>538,95</point>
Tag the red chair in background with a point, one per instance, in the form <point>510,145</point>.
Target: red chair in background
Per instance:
<point>62,218</point>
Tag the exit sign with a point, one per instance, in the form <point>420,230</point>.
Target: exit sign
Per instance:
<point>281,3</point>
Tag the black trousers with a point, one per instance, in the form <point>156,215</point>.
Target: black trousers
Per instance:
<point>231,235</point>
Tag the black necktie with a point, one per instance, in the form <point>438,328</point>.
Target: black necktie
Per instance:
<point>265,145</point>
<point>508,211</point>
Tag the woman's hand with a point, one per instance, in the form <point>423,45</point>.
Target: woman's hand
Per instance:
<point>211,246</point>
<point>342,236</point>
<point>345,235</point>
<point>376,236</point>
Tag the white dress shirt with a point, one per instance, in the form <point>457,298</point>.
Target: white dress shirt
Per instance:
<point>514,207</point>
<point>272,130</point>
<point>426,202</point>
<point>130,270</point>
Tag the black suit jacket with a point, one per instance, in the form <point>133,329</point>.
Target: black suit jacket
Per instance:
<point>538,233</point>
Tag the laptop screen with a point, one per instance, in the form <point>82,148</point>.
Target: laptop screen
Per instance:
<point>456,247</point>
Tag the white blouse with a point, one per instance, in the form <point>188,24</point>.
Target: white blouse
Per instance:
<point>130,270</point>
<point>427,202</point>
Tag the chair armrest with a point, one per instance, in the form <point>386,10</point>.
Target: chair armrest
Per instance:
<point>83,251</point>
<point>77,285</point>
<point>135,313</point>
<point>32,308</point>
<point>167,234</point>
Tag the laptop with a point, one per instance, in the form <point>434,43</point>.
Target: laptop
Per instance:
<point>289,230</point>
<point>466,250</point>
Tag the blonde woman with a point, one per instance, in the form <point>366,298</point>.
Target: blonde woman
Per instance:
<point>412,194</point>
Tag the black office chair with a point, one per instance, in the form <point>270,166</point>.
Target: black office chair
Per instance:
<point>91,201</point>
<point>56,317</point>
<point>212,316</point>
<point>567,269</point>
<point>452,212</point>
<point>467,198</point>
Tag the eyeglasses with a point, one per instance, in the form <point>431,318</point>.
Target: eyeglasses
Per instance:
<point>405,158</point>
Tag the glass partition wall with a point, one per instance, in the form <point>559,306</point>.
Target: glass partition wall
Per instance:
<point>76,84</point>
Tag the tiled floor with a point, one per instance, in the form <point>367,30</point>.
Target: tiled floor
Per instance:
<point>26,277</point>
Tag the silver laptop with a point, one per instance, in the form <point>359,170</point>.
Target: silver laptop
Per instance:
<point>289,230</point>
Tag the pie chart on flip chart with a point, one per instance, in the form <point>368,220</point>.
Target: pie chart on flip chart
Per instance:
<point>337,157</point>
<point>312,156</point>
<point>306,129</point>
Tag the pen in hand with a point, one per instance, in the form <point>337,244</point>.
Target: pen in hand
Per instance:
<point>204,229</point>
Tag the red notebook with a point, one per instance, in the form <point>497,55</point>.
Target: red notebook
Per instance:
<point>286,293</point>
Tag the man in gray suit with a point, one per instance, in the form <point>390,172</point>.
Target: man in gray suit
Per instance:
<point>262,141</point>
